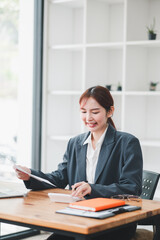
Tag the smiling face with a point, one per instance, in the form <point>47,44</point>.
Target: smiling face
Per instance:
<point>94,115</point>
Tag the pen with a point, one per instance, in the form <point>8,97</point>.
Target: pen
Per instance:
<point>75,187</point>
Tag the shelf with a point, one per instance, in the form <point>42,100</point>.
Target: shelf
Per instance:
<point>151,157</point>
<point>61,118</point>
<point>101,42</point>
<point>150,143</point>
<point>146,43</point>
<point>79,3</point>
<point>144,116</point>
<point>142,67</point>
<point>66,19</point>
<point>108,45</point>
<point>141,13</point>
<point>117,93</point>
<point>54,153</point>
<point>145,143</point>
<point>70,79</point>
<point>63,93</point>
<point>118,110</point>
<point>113,1</point>
<point>69,3</point>
<point>72,47</point>
<point>105,68</point>
<point>102,27</point>
<point>60,138</point>
<point>142,93</point>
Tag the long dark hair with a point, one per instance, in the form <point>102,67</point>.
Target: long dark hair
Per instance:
<point>103,96</point>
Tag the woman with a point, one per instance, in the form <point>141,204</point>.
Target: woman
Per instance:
<point>100,163</point>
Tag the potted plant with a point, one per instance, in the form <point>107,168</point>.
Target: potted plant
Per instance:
<point>151,31</point>
<point>153,86</point>
<point>119,87</point>
<point>109,87</point>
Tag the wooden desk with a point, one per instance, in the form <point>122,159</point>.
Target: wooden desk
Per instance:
<point>37,211</point>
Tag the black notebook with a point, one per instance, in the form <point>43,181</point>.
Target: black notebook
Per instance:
<point>100,214</point>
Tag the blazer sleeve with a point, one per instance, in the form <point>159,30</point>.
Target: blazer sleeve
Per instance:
<point>58,177</point>
<point>130,177</point>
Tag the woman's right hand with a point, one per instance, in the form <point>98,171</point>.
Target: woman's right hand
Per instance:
<point>21,175</point>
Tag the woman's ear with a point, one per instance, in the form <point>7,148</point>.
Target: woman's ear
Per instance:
<point>110,112</point>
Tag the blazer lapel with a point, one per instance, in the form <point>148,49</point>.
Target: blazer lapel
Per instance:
<point>81,159</point>
<point>105,151</point>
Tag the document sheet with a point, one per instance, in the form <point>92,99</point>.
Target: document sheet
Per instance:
<point>33,176</point>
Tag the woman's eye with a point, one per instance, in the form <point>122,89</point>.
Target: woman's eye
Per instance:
<point>95,112</point>
<point>83,112</point>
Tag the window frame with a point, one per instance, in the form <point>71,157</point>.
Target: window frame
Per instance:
<point>37,103</point>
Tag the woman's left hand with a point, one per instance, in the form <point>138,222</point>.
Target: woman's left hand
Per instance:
<point>81,189</point>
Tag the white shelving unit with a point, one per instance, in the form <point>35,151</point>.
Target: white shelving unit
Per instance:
<point>100,42</point>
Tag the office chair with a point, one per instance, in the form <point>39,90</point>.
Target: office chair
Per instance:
<point>149,184</point>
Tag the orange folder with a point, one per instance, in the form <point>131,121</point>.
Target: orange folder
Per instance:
<point>97,204</point>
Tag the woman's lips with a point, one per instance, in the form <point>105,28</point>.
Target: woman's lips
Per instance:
<point>91,125</point>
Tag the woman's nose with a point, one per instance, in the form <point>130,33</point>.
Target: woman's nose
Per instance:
<point>89,116</point>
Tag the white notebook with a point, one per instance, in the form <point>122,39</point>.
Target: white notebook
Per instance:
<point>7,193</point>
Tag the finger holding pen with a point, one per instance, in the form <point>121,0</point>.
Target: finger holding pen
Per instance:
<point>75,186</point>
<point>81,189</point>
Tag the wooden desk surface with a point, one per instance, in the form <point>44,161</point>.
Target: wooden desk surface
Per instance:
<point>37,209</point>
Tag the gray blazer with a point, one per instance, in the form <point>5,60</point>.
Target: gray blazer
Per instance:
<point>119,167</point>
